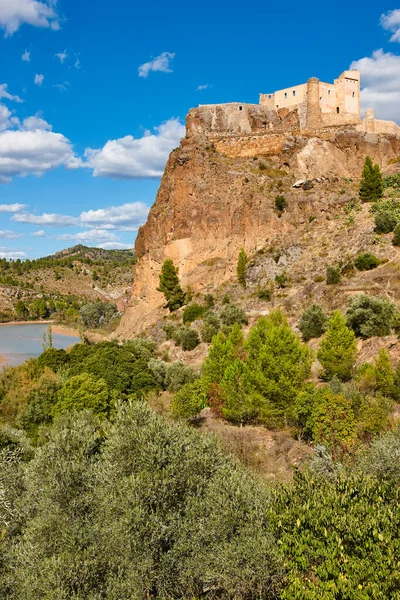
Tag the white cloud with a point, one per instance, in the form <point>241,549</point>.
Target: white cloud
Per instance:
<point>61,56</point>
<point>35,152</point>
<point>62,86</point>
<point>391,22</point>
<point>93,236</point>
<point>115,246</point>
<point>6,118</point>
<point>35,123</point>
<point>12,208</point>
<point>14,13</point>
<point>160,63</point>
<point>40,233</point>
<point>200,88</point>
<point>380,78</point>
<point>46,219</point>
<point>77,64</point>
<point>12,254</point>
<point>127,217</point>
<point>39,78</point>
<point>128,158</point>
<point>5,94</point>
<point>26,56</point>
<point>9,235</point>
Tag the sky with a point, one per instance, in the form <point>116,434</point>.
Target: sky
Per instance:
<point>93,97</point>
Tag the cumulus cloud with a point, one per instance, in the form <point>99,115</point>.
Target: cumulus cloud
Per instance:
<point>36,122</point>
<point>115,246</point>
<point>127,217</point>
<point>160,63</point>
<point>39,78</point>
<point>201,88</point>
<point>40,233</point>
<point>14,13</point>
<point>12,208</point>
<point>5,94</point>
<point>46,219</point>
<point>6,118</point>
<point>129,157</point>
<point>381,83</point>
<point>93,236</point>
<point>391,22</point>
<point>26,56</point>
<point>5,253</point>
<point>10,235</point>
<point>61,56</point>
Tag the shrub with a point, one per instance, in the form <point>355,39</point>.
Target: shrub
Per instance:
<point>280,205</point>
<point>367,262</point>
<point>385,221</point>
<point>337,351</point>
<point>232,314</point>
<point>313,322</point>
<point>84,392</point>
<point>170,286</point>
<point>241,267</point>
<point>226,299</point>
<point>192,312</point>
<point>53,358</point>
<point>178,375</point>
<point>264,294</point>
<point>95,314</point>
<point>396,235</point>
<point>211,326</point>
<point>189,401</point>
<point>369,315</point>
<point>188,338</point>
<point>382,459</point>
<point>282,280</point>
<point>371,186</point>
<point>332,275</point>
<point>209,300</point>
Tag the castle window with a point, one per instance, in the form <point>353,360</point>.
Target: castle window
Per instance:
<point>240,107</point>
<point>320,97</point>
<point>329,92</point>
<point>337,110</point>
<point>269,96</point>
<point>285,94</point>
<point>294,92</point>
<point>354,94</point>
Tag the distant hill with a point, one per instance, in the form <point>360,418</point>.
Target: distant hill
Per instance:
<point>65,280</point>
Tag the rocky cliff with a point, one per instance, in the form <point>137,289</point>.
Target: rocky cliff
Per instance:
<point>218,194</point>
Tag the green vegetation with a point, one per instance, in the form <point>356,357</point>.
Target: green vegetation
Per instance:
<point>369,316</point>
<point>96,314</point>
<point>337,352</point>
<point>371,186</point>
<point>313,322</point>
<point>396,235</point>
<point>170,286</point>
<point>241,267</point>
<point>332,275</point>
<point>280,205</point>
<point>367,262</point>
<point>193,312</point>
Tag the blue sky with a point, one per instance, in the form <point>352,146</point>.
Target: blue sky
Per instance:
<point>93,97</point>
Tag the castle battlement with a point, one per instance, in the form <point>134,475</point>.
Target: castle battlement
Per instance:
<point>310,106</point>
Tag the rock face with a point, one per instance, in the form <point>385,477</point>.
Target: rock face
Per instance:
<point>217,195</point>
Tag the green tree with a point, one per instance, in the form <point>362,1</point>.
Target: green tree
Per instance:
<point>189,400</point>
<point>384,374</point>
<point>170,286</point>
<point>84,392</point>
<point>396,235</point>
<point>241,267</point>
<point>371,316</point>
<point>21,310</point>
<point>332,275</point>
<point>313,322</point>
<point>371,185</point>
<point>337,352</point>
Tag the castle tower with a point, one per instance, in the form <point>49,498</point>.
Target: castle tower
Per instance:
<point>313,104</point>
<point>369,120</point>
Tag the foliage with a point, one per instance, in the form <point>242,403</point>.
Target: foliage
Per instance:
<point>332,275</point>
<point>369,315</point>
<point>396,235</point>
<point>210,327</point>
<point>178,375</point>
<point>84,392</point>
<point>241,267</point>
<point>186,337</point>
<point>385,221</point>
<point>232,314</point>
<point>371,185</point>
<point>170,286</point>
<point>280,205</point>
<point>367,262</point>
<point>337,351</point>
<point>209,301</point>
<point>96,314</point>
<point>53,358</point>
<point>313,322</point>
<point>282,280</point>
<point>392,181</point>
<point>192,312</point>
<point>189,400</point>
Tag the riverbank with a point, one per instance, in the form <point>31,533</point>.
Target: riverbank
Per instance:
<point>55,328</point>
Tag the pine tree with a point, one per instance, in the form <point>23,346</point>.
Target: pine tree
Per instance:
<point>170,286</point>
<point>241,267</point>
<point>371,186</point>
<point>384,375</point>
<point>337,352</point>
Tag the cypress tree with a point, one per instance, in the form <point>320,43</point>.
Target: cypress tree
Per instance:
<point>371,186</point>
<point>241,267</point>
<point>170,286</point>
<point>337,352</point>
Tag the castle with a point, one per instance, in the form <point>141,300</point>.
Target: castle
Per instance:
<point>311,106</point>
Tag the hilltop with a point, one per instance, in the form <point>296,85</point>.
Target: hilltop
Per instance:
<point>66,280</point>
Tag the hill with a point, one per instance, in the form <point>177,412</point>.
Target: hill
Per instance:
<point>64,281</point>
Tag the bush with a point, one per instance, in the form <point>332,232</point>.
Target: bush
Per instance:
<point>337,351</point>
<point>264,294</point>
<point>95,314</point>
<point>192,312</point>
<point>332,275</point>
<point>232,314</point>
<point>211,326</point>
<point>53,359</point>
<point>209,300</point>
<point>313,322</point>
<point>371,316</point>
<point>282,280</point>
<point>366,262</point>
<point>385,221</point>
<point>188,338</point>
<point>371,186</point>
<point>84,392</point>
<point>241,267</point>
<point>178,375</point>
<point>190,400</point>
<point>280,205</point>
<point>396,235</point>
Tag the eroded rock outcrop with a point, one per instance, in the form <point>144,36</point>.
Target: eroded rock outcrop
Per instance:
<point>218,194</point>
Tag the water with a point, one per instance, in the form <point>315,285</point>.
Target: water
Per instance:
<point>20,342</point>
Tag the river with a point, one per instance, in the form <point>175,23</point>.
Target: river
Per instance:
<point>22,341</point>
